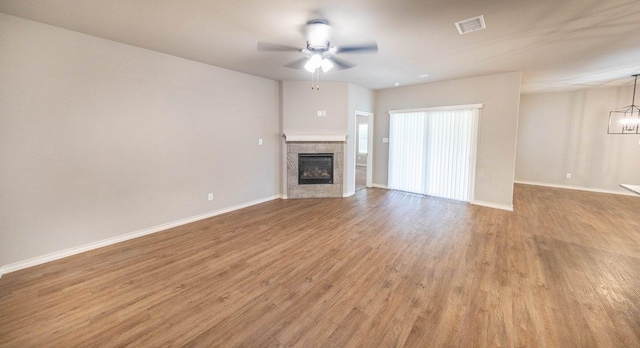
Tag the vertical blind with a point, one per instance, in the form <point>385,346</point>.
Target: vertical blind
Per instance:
<point>407,152</point>
<point>433,152</point>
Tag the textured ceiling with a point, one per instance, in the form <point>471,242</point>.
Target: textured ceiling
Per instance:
<point>558,45</point>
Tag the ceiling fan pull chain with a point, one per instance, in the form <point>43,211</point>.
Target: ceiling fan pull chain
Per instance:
<point>315,75</point>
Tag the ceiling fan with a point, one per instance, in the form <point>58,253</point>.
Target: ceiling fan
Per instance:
<point>319,53</point>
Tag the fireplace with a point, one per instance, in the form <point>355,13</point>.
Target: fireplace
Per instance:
<point>312,148</point>
<point>315,168</point>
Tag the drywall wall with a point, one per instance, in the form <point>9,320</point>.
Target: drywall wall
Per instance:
<point>99,139</point>
<point>300,106</point>
<point>566,132</point>
<point>360,99</point>
<point>495,162</point>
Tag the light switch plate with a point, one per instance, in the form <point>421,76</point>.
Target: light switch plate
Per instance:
<point>385,140</point>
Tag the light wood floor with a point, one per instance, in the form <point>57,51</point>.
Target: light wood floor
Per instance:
<point>381,268</point>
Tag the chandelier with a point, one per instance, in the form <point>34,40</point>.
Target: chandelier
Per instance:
<point>627,119</point>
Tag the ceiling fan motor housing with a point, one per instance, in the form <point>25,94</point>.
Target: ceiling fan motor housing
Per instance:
<point>318,35</point>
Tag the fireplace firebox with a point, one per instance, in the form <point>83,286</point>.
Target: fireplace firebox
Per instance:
<point>315,168</point>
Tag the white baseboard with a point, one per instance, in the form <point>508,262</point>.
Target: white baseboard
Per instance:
<point>124,237</point>
<point>350,193</point>
<point>380,186</point>
<point>361,165</point>
<point>578,188</point>
<point>493,205</point>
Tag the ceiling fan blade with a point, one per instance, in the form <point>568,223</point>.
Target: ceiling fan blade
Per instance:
<point>298,63</point>
<point>365,48</point>
<point>340,64</point>
<point>266,46</point>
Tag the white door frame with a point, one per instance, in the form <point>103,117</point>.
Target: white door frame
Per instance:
<point>369,116</point>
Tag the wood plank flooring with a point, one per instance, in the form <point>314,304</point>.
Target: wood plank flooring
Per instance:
<point>381,268</point>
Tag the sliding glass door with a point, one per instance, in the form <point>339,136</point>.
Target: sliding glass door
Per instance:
<point>432,151</point>
<point>407,152</point>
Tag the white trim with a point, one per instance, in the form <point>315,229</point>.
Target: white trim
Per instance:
<point>360,165</point>
<point>369,154</point>
<point>633,188</point>
<point>369,178</point>
<point>340,137</point>
<point>123,237</point>
<point>493,205</point>
<point>578,188</point>
<point>438,108</point>
<point>380,186</point>
<point>473,159</point>
<point>348,194</point>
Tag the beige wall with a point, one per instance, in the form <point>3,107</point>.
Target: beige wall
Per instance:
<point>566,132</point>
<point>300,105</point>
<point>99,139</point>
<point>495,163</point>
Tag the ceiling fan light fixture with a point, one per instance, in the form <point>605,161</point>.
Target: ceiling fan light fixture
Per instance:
<point>326,65</point>
<point>314,63</point>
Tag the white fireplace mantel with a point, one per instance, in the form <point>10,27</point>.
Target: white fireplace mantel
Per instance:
<point>313,137</point>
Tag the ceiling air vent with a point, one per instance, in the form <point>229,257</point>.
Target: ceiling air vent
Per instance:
<point>471,24</point>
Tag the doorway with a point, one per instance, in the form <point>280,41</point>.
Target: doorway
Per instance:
<point>363,148</point>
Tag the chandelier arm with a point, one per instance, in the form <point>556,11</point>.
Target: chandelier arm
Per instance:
<point>628,117</point>
<point>633,100</point>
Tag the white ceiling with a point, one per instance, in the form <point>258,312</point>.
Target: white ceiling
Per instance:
<point>558,44</point>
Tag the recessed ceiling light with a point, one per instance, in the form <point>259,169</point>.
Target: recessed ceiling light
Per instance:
<point>423,76</point>
<point>396,84</point>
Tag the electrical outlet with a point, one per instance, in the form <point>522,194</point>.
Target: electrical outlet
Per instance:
<point>568,175</point>
<point>259,141</point>
<point>210,196</point>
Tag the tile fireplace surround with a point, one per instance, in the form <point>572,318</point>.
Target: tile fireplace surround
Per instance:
<point>315,144</point>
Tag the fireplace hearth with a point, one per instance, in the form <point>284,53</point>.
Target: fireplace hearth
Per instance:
<point>315,168</point>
